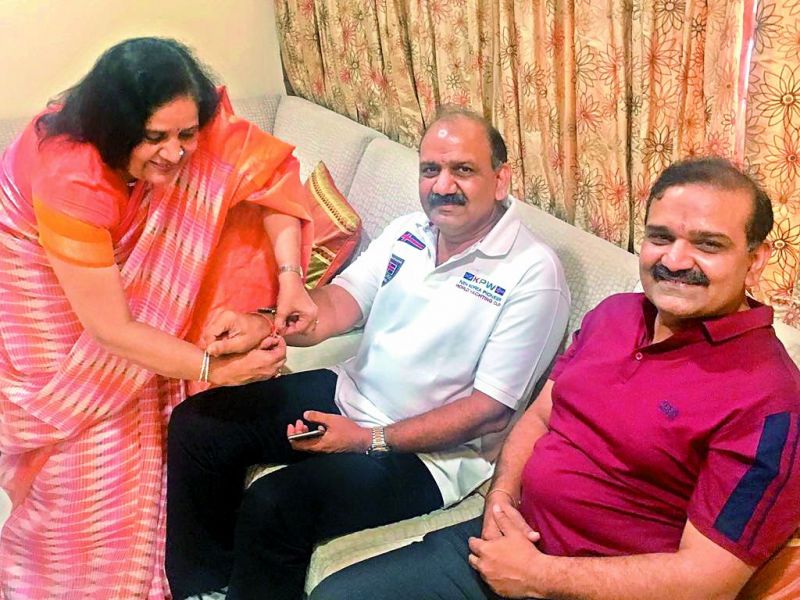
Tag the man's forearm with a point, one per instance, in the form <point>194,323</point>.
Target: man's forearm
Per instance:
<point>447,426</point>
<point>337,313</point>
<point>659,576</point>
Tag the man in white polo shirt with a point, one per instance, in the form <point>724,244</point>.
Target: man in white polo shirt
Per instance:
<point>463,310</point>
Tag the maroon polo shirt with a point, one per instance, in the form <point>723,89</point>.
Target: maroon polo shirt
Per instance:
<point>642,435</point>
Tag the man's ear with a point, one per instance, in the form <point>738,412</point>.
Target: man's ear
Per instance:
<point>503,175</point>
<point>758,260</point>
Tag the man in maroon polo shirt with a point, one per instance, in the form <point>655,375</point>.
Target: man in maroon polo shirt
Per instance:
<point>661,458</point>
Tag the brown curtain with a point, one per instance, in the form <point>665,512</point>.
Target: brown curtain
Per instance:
<point>593,97</point>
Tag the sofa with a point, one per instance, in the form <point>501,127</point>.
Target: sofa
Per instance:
<point>379,179</point>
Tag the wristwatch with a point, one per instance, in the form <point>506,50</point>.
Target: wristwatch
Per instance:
<point>378,447</point>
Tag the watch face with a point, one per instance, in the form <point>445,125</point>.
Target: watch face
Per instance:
<point>379,452</point>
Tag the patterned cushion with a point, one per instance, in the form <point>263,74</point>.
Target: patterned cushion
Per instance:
<point>337,228</point>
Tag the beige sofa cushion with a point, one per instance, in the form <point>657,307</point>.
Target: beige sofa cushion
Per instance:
<point>260,110</point>
<point>322,135</point>
<point>10,129</point>
<point>385,185</point>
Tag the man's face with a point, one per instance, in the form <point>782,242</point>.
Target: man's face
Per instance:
<point>694,260</point>
<point>458,187</point>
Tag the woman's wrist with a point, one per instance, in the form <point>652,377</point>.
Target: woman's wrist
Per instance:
<point>296,271</point>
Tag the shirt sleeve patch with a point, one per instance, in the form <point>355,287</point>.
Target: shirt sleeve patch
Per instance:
<point>395,262</point>
<point>748,493</point>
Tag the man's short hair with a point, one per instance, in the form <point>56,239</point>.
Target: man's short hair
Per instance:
<point>722,174</point>
<point>449,112</point>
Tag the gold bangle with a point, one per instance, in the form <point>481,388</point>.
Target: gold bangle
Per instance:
<point>514,501</point>
<point>291,269</point>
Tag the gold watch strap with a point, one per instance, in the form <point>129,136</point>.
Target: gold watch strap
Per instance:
<point>378,444</point>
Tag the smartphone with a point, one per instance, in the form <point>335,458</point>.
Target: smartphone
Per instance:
<point>312,433</point>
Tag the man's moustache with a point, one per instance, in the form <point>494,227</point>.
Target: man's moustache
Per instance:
<point>687,276</point>
<point>435,200</point>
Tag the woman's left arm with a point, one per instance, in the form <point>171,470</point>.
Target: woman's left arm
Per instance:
<point>296,312</point>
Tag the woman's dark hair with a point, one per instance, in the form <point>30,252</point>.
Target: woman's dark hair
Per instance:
<point>128,83</point>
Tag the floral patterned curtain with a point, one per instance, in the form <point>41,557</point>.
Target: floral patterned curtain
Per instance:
<point>593,97</point>
<point>772,146</point>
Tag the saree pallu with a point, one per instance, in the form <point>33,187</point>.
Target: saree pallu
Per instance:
<point>82,432</point>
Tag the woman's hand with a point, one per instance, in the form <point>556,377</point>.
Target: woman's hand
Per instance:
<point>264,362</point>
<point>296,312</point>
<point>231,332</point>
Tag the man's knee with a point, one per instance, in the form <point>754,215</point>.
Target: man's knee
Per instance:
<point>271,505</point>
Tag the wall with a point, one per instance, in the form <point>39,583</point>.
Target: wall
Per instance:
<point>48,45</point>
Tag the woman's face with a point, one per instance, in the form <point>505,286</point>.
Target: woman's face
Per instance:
<point>170,138</point>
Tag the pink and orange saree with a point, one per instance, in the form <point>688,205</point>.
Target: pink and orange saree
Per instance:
<point>82,432</point>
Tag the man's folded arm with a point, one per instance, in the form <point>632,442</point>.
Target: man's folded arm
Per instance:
<point>518,446</point>
<point>700,569</point>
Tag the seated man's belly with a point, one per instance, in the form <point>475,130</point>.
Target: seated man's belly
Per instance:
<point>583,509</point>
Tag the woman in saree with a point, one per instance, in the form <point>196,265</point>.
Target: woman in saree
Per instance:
<point>116,204</point>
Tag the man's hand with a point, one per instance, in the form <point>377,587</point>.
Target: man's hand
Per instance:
<point>508,562</point>
<point>491,530</point>
<point>262,363</point>
<point>231,332</point>
<point>341,434</point>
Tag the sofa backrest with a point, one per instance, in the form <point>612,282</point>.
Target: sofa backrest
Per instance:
<point>323,135</point>
<point>260,110</point>
<point>385,184</point>
<point>594,268</point>
<point>9,129</point>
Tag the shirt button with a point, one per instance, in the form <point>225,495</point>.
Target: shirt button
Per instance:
<point>639,356</point>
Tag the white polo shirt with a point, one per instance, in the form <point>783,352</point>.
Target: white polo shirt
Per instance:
<point>491,319</point>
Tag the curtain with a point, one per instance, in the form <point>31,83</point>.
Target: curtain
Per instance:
<point>772,148</point>
<point>593,97</point>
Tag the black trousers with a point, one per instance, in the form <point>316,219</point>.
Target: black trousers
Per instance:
<point>258,542</point>
<point>438,563</point>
